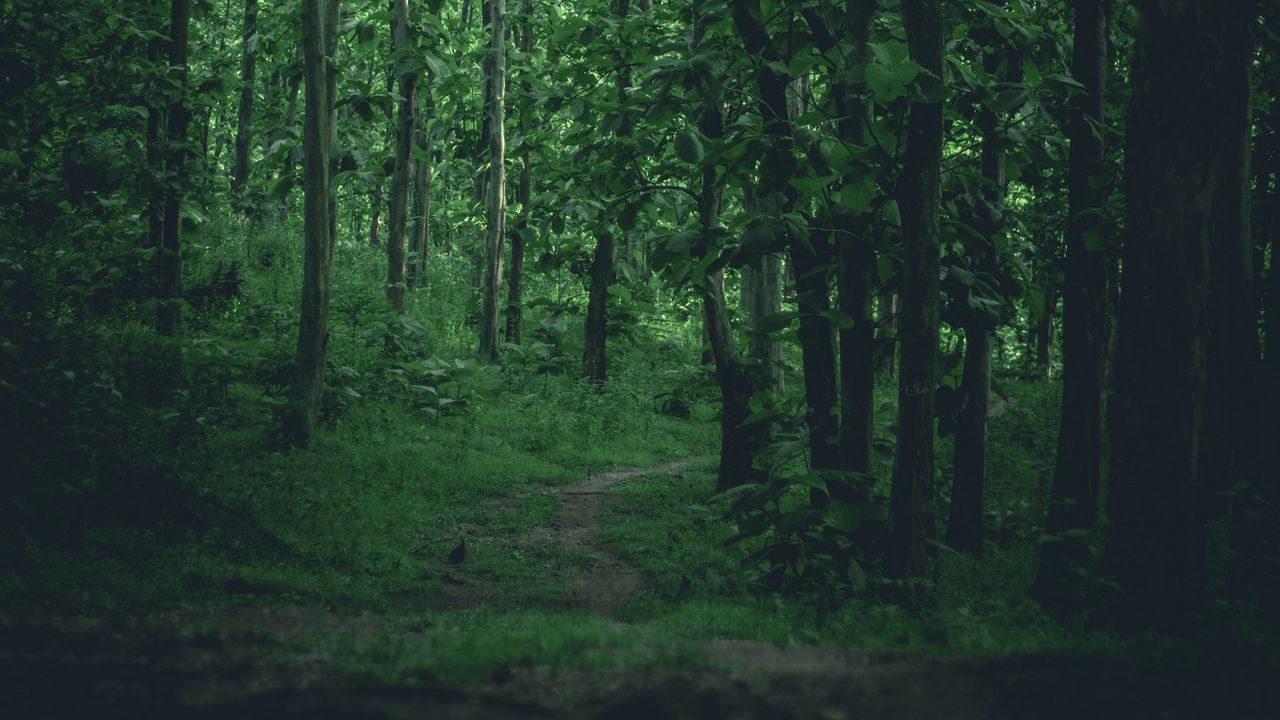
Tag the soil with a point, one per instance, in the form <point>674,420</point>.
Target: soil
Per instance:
<point>77,667</point>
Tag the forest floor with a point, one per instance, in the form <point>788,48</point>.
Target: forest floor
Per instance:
<point>234,663</point>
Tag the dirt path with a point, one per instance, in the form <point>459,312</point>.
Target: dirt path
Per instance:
<point>92,670</point>
<point>605,584</point>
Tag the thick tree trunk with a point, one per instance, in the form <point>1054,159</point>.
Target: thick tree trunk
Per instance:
<point>762,293</point>
<point>492,290</point>
<point>397,231</point>
<point>1174,173</point>
<point>918,323</point>
<point>168,313</point>
<point>244,119</point>
<point>1073,502</point>
<point>319,20</point>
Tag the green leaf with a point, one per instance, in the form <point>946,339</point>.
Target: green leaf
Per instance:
<point>689,146</point>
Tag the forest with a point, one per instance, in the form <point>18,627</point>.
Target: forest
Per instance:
<point>633,359</point>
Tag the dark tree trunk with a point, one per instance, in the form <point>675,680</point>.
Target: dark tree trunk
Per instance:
<point>319,23</point>
<point>1174,176</point>
<point>1073,502</point>
<point>918,322</point>
<point>168,313</point>
<point>762,294</point>
<point>606,252</point>
<point>969,461</point>
<point>397,230</point>
<point>496,221</point>
<point>810,253</point>
<point>244,120</point>
<point>856,260</point>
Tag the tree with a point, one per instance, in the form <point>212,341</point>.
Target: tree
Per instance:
<point>920,196</point>
<point>319,24</point>
<point>596,329</point>
<point>1179,150</point>
<point>969,466</point>
<point>497,200</point>
<point>1073,503</point>
<point>244,119</point>
<point>169,314</point>
<point>402,46</point>
<point>524,195</point>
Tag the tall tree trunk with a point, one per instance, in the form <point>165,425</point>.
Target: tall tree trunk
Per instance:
<point>969,476</point>
<point>420,235</point>
<point>1073,502</point>
<point>319,21</point>
<point>606,253</point>
<point>810,252</point>
<point>168,314</point>
<point>762,293</point>
<point>918,322</point>
<point>515,282</point>
<point>244,120</point>
<point>290,119</point>
<point>1043,331</point>
<point>1174,177</point>
<point>887,327</point>
<point>738,440</point>
<point>155,147</point>
<point>492,290</point>
<point>402,44</point>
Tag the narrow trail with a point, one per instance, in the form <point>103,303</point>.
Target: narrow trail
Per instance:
<point>607,581</point>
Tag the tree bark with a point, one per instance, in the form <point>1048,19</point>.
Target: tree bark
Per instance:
<point>918,323</point>
<point>244,119</point>
<point>810,254</point>
<point>419,236</point>
<point>595,331</point>
<point>762,293</point>
<point>1174,173</point>
<point>492,289</point>
<point>168,313</point>
<point>1073,502</point>
<point>319,20</point>
<point>515,281</point>
<point>969,460</point>
<point>397,231</point>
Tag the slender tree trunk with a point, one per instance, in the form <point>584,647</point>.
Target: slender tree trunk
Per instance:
<point>738,440</point>
<point>244,120</point>
<point>1043,331</point>
<point>489,320</point>
<point>606,252</point>
<point>155,149</point>
<point>168,314</point>
<point>319,21</point>
<point>515,283</point>
<point>375,216</point>
<point>1174,174</point>
<point>290,119</point>
<point>402,43</point>
<point>918,323</point>
<point>969,461</point>
<point>419,237</point>
<point>857,263</point>
<point>887,327</point>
